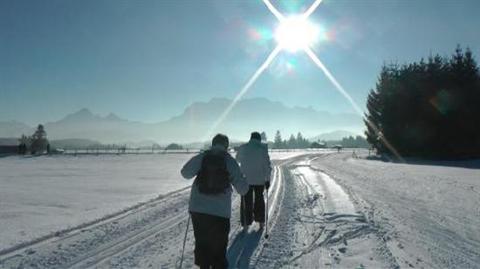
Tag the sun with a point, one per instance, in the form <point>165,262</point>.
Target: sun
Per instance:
<point>296,33</point>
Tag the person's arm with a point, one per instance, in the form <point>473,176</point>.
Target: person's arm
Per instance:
<point>191,168</point>
<point>238,180</point>
<point>268,168</point>
<point>239,156</point>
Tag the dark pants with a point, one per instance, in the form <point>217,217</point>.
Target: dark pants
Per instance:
<point>250,210</point>
<point>211,240</point>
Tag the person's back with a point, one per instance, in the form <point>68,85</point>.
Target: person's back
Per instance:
<point>255,165</point>
<point>216,171</point>
<point>214,204</point>
<point>254,161</point>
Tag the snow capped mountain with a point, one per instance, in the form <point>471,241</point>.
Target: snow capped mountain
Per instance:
<point>257,114</point>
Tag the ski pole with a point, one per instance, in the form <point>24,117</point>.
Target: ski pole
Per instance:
<point>244,211</point>
<point>266,217</point>
<point>184,241</point>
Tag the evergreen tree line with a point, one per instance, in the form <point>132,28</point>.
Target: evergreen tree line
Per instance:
<point>294,142</point>
<point>429,108</point>
<point>299,142</point>
<point>354,142</point>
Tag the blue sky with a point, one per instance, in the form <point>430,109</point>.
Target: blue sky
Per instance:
<point>148,60</point>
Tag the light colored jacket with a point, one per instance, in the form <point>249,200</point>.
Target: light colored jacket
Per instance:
<point>219,204</point>
<point>255,162</point>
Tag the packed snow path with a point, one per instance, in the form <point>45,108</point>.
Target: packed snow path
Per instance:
<point>312,224</point>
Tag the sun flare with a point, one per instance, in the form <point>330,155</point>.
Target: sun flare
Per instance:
<point>296,33</point>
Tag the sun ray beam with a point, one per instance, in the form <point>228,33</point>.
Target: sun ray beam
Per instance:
<point>243,91</point>
<point>347,96</point>
<point>311,9</point>
<point>333,80</point>
<point>317,62</point>
<point>272,9</point>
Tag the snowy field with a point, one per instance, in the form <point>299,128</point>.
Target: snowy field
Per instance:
<point>42,195</point>
<point>429,212</point>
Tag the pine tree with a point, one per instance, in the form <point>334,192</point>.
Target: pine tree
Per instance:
<point>39,142</point>
<point>278,142</point>
<point>301,141</point>
<point>292,142</point>
<point>264,136</point>
<point>427,108</point>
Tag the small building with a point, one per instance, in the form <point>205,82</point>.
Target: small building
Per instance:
<point>318,145</point>
<point>9,146</point>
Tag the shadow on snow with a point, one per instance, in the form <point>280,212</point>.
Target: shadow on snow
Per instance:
<point>242,249</point>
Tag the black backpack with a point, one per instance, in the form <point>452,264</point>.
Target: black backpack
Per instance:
<point>213,177</point>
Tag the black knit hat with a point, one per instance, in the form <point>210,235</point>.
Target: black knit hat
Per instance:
<point>256,135</point>
<point>220,139</point>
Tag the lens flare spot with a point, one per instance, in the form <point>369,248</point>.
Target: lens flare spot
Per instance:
<point>260,34</point>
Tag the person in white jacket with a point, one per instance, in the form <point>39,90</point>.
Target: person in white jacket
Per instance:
<point>255,165</point>
<point>210,207</point>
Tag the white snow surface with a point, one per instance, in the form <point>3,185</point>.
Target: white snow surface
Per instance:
<point>429,212</point>
<point>326,210</point>
<point>44,194</point>
<point>40,195</point>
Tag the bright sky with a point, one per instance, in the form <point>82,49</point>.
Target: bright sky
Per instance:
<point>148,60</point>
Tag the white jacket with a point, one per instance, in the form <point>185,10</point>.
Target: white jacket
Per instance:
<point>254,162</point>
<point>220,204</point>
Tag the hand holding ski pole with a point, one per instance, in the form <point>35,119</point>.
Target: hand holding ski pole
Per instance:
<point>266,214</point>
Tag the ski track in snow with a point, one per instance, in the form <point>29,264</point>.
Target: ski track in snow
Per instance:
<point>317,226</point>
<point>312,224</point>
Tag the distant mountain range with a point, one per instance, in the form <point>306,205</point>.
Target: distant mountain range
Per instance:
<point>193,124</point>
<point>335,135</point>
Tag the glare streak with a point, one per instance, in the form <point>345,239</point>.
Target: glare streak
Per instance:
<point>319,64</point>
<point>347,96</point>
<point>332,79</point>
<point>311,9</point>
<point>273,10</point>
<point>244,90</point>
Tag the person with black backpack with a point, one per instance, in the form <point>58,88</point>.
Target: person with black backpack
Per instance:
<point>210,206</point>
